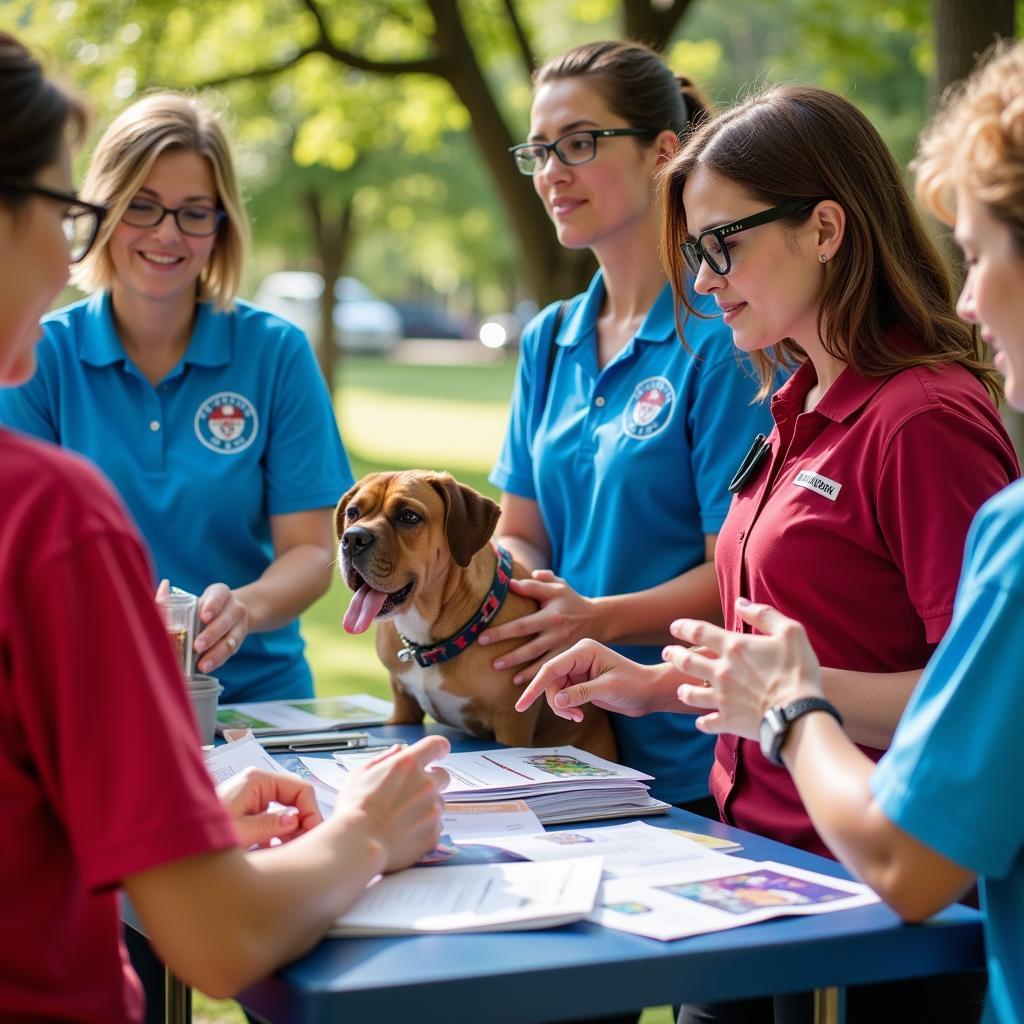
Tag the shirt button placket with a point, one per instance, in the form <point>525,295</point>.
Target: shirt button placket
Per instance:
<point>156,447</point>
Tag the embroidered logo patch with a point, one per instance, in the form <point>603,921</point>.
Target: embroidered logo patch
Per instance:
<point>226,423</point>
<point>818,483</point>
<point>649,408</point>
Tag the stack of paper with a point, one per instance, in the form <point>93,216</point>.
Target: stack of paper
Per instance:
<point>560,784</point>
<point>265,718</point>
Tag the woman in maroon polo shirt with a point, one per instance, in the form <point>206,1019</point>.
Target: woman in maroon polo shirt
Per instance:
<point>851,516</point>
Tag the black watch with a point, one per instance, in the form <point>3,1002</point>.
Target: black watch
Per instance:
<point>777,721</point>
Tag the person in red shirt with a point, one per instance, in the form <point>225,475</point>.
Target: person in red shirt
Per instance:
<point>100,768</point>
<point>851,515</point>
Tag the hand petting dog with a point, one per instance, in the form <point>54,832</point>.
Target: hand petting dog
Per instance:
<point>414,549</point>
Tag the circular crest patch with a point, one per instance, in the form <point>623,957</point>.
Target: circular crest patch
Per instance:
<point>226,423</point>
<point>649,408</point>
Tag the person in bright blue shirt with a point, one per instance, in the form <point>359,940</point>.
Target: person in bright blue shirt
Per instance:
<point>620,448</point>
<point>208,415</point>
<point>943,807</point>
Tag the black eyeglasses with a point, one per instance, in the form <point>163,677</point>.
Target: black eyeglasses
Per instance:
<point>199,221</point>
<point>578,147</point>
<point>81,221</point>
<point>710,245</point>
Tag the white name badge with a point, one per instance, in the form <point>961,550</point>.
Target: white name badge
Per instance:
<point>819,484</point>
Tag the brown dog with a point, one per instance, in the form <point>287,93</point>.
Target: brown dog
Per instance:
<point>413,546</point>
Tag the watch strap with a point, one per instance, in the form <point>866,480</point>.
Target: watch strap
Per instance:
<point>777,722</point>
<point>797,708</point>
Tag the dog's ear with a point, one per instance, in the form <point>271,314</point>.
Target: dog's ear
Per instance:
<point>469,518</point>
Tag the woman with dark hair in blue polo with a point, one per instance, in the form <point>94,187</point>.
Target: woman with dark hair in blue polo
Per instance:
<point>621,441</point>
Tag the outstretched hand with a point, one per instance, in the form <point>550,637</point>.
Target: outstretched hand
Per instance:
<point>744,674</point>
<point>590,673</point>
<point>563,618</point>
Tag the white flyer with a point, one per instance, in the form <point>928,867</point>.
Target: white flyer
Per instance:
<point>753,891</point>
<point>635,850</point>
<point>492,824</point>
<point>231,758</point>
<point>478,897</point>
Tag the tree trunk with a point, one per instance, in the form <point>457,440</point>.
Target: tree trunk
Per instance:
<point>965,30</point>
<point>333,239</point>
<point>646,21</point>
<point>962,32</point>
<point>549,272</point>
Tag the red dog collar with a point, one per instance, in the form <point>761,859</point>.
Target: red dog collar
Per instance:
<point>434,654</point>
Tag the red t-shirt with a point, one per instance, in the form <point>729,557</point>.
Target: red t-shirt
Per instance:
<point>100,770</point>
<point>855,527</point>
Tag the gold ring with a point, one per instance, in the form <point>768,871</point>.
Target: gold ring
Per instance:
<point>232,642</point>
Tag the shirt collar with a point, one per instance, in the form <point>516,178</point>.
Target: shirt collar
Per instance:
<point>581,322</point>
<point>849,393</point>
<point>99,344</point>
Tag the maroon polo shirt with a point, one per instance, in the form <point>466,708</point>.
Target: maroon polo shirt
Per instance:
<point>855,526</point>
<point>100,768</point>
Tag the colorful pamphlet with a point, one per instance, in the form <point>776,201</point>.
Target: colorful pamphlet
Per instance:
<point>270,717</point>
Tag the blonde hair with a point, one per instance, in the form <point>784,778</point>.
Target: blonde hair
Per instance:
<point>976,142</point>
<point>125,155</point>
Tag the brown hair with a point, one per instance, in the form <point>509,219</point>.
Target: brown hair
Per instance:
<point>635,83</point>
<point>35,114</point>
<point>802,142</point>
<point>976,141</point>
<point>125,155</point>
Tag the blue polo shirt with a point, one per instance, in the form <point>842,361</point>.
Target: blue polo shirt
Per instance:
<point>240,430</point>
<point>952,777</point>
<point>630,466</point>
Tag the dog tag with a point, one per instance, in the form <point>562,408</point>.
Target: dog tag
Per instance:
<point>405,655</point>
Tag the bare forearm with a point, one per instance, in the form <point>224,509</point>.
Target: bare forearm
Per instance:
<point>644,617</point>
<point>288,586</point>
<point>871,703</point>
<point>833,779</point>
<point>223,920</point>
<point>529,556</point>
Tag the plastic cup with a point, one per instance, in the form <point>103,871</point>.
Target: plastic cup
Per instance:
<point>204,692</point>
<point>179,614</point>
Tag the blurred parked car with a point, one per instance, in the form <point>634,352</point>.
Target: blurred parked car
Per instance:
<point>427,320</point>
<point>362,321</point>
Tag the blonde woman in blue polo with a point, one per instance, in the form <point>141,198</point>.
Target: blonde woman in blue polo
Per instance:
<point>208,415</point>
<point>620,448</point>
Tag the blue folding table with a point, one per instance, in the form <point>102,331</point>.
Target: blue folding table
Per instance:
<point>583,970</point>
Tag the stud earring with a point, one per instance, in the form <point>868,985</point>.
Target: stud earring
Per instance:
<point>823,258</point>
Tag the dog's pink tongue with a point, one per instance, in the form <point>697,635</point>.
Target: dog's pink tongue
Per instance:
<point>363,608</point>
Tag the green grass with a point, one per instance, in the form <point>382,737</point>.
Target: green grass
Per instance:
<point>399,416</point>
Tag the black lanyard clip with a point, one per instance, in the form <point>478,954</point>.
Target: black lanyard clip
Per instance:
<point>750,464</point>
